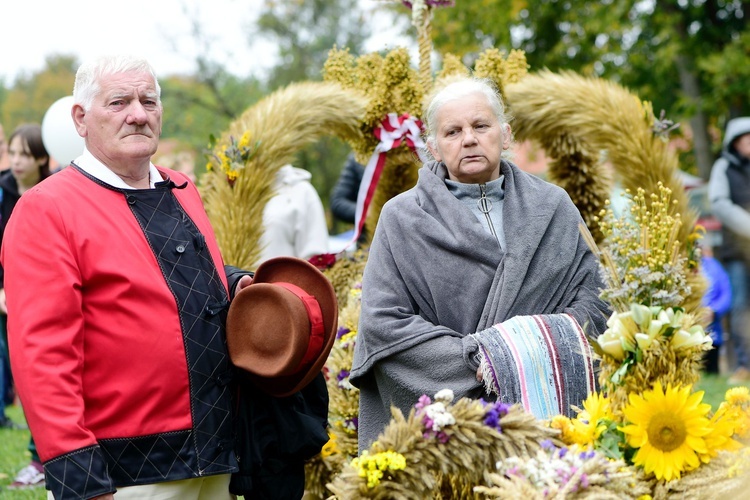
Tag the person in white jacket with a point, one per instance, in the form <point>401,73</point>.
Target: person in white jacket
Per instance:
<point>294,219</point>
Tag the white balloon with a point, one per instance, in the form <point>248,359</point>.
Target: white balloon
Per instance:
<point>59,133</point>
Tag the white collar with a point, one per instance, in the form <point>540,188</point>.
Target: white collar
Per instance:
<point>92,166</point>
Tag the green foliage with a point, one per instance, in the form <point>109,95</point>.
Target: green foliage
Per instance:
<point>305,30</point>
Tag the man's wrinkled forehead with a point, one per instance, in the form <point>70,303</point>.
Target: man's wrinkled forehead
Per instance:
<point>126,85</point>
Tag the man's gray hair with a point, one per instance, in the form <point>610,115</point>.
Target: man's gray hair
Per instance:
<point>87,87</point>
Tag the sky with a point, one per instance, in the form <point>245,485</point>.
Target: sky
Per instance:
<point>159,30</point>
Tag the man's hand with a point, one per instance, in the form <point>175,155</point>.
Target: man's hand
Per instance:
<point>245,281</point>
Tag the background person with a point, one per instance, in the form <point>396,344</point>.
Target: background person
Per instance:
<point>476,243</point>
<point>29,164</point>
<point>121,364</point>
<point>3,150</point>
<point>729,195</point>
<point>344,193</point>
<point>294,219</point>
<point>718,300</point>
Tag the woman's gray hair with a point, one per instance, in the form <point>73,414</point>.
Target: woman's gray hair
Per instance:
<point>459,88</point>
<point>87,87</point>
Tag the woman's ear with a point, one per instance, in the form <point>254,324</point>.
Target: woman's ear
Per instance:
<point>507,136</point>
<point>432,149</point>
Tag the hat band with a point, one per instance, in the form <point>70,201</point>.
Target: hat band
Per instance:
<point>317,328</point>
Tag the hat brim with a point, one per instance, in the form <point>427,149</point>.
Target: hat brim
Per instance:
<point>306,276</point>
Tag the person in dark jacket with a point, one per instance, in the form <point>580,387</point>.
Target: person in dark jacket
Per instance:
<point>729,195</point>
<point>344,193</point>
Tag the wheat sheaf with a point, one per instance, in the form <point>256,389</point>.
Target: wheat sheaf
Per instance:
<point>583,124</point>
<point>280,125</point>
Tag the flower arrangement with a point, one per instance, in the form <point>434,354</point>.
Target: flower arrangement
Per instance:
<point>563,472</point>
<point>435,416</point>
<point>646,268</point>
<point>446,445</point>
<point>231,158</point>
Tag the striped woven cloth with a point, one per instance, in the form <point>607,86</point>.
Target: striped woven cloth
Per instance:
<point>541,361</point>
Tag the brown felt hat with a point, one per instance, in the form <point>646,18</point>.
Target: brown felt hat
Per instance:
<point>281,328</point>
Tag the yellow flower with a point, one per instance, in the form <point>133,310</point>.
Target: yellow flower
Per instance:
<point>330,448</point>
<point>564,425</point>
<point>589,424</point>
<point>723,425</point>
<point>372,466</point>
<point>669,430</point>
<point>738,396</point>
<point>244,140</point>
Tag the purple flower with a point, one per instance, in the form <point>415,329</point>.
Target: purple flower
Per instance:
<point>547,445</point>
<point>495,413</point>
<point>342,375</point>
<point>342,331</point>
<point>352,423</point>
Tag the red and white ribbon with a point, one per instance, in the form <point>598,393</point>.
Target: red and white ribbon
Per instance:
<point>392,132</point>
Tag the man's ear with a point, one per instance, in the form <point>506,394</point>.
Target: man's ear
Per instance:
<point>77,112</point>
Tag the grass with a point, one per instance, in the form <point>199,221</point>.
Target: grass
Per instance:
<point>14,454</point>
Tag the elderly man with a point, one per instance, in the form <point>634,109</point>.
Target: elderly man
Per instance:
<point>117,297</point>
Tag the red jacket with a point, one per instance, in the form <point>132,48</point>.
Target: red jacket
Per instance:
<point>117,302</point>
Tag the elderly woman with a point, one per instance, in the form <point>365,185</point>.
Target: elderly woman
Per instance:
<point>478,279</point>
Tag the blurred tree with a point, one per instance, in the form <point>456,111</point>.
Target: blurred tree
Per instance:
<point>195,107</point>
<point>29,97</point>
<point>675,53</point>
<point>305,31</point>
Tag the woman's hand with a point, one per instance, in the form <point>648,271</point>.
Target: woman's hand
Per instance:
<point>3,305</point>
<point>480,377</point>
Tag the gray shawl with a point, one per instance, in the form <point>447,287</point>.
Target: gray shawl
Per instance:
<point>434,276</point>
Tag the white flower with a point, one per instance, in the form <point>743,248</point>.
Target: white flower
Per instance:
<point>641,315</point>
<point>439,415</point>
<point>611,344</point>
<point>689,338</point>
<point>643,340</point>
<point>444,395</point>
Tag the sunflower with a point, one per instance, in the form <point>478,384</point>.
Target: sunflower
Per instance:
<point>668,429</point>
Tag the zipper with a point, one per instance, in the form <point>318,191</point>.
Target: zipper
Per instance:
<point>485,206</point>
